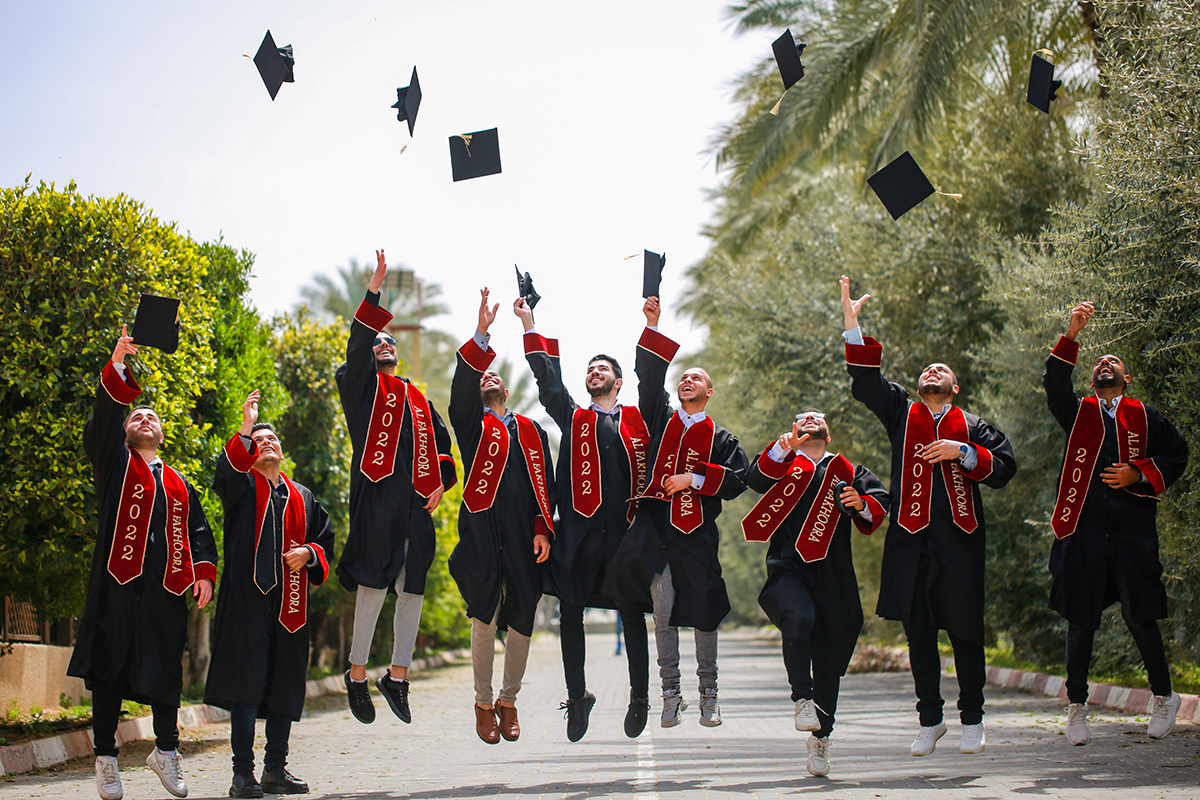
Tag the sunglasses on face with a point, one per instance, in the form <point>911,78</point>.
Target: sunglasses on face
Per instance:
<point>385,340</point>
<point>813,415</point>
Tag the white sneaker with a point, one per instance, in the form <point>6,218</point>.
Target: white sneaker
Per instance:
<point>818,756</point>
<point>673,706</point>
<point>927,739</point>
<point>1077,727</point>
<point>710,709</point>
<point>169,767</point>
<point>108,778</point>
<point>1162,714</point>
<point>805,716</point>
<point>972,739</point>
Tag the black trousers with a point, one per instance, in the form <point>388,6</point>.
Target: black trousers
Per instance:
<point>1146,636</point>
<point>106,713</point>
<point>637,651</point>
<point>241,738</point>
<point>970,665</point>
<point>812,680</point>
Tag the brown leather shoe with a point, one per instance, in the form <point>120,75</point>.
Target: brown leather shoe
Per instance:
<point>510,729</point>
<point>485,724</point>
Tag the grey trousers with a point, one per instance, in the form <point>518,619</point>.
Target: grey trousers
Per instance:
<point>666,638</point>
<point>483,657</point>
<point>367,605</point>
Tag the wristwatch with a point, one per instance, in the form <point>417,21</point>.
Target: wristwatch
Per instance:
<point>962,452</point>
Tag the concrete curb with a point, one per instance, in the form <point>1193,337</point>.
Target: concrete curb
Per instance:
<point>42,753</point>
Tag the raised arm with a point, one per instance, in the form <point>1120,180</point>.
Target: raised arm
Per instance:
<point>542,356</point>
<point>1060,364</point>
<point>654,354</point>
<point>888,401</point>
<point>230,478</point>
<point>474,357</point>
<point>104,434</point>
<point>358,372</point>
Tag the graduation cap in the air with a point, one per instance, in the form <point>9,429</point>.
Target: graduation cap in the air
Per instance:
<point>525,288</point>
<point>787,57</point>
<point>157,323</point>
<point>408,100</point>
<point>652,269</point>
<point>1042,86</point>
<point>901,185</point>
<point>274,64</point>
<point>473,155</point>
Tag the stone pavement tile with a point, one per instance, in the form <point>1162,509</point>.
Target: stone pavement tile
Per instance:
<point>755,754</point>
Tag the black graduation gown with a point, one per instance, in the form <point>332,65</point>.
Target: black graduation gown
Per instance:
<point>652,542</point>
<point>583,545</point>
<point>821,596</point>
<point>495,546</point>
<point>133,635</point>
<point>954,582</point>
<point>255,660</point>
<point>387,515</point>
<point>1113,523</point>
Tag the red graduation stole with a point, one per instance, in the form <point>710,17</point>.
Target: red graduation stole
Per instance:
<point>695,445</point>
<point>487,468</point>
<point>917,473</point>
<point>293,607</point>
<point>132,530</point>
<point>816,534</point>
<point>1083,450</point>
<point>585,458</point>
<point>392,397</point>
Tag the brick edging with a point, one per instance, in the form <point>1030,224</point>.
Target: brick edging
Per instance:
<point>42,753</point>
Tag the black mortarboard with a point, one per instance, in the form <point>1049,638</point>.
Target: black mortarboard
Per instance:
<point>473,155</point>
<point>652,269</point>
<point>408,100</point>
<point>787,57</point>
<point>525,288</point>
<point>1042,86</point>
<point>157,323</point>
<point>838,488</point>
<point>274,64</point>
<point>901,185</point>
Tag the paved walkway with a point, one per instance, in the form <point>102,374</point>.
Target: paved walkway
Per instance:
<point>755,754</point>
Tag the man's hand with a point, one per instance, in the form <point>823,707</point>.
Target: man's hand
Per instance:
<point>850,308</point>
<point>380,273</point>
<point>1080,315</point>
<point>522,310</point>
<point>852,499</point>
<point>297,558</point>
<point>652,310</point>
<point>249,413</point>
<point>790,441</point>
<point>486,318</point>
<point>541,547</point>
<point>433,500</point>
<point>202,590</point>
<point>1118,476</point>
<point>678,483</point>
<point>941,450</point>
<point>125,346</point>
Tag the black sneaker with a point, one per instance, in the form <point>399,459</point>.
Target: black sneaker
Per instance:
<point>245,785</point>
<point>359,697</point>
<point>578,712</point>
<point>396,693</point>
<point>635,717</point>
<point>280,781</point>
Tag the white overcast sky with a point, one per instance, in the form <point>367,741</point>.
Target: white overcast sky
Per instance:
<point>604,110</point>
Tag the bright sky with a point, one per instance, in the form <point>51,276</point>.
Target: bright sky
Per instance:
<point>604,112</point>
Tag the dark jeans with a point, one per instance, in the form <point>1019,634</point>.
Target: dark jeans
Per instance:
<point>812,681</point>
<point>241,738</point>
<point>106,713</point>
<point>637,651</point>
<point>1146,636</point>
<point>970,664</point>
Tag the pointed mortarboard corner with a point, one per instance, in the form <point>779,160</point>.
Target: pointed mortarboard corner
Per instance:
<point>473,155</point>
<point>157,323</point>
<point>652,269</point>
<point>408,100</point>
<point>901,185</point>
<point>525,288</point>
<point>787,57</point>
<point>275,64</point>
<point>1042,86</point>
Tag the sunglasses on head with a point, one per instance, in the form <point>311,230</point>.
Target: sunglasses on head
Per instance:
<point>384,340</point>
